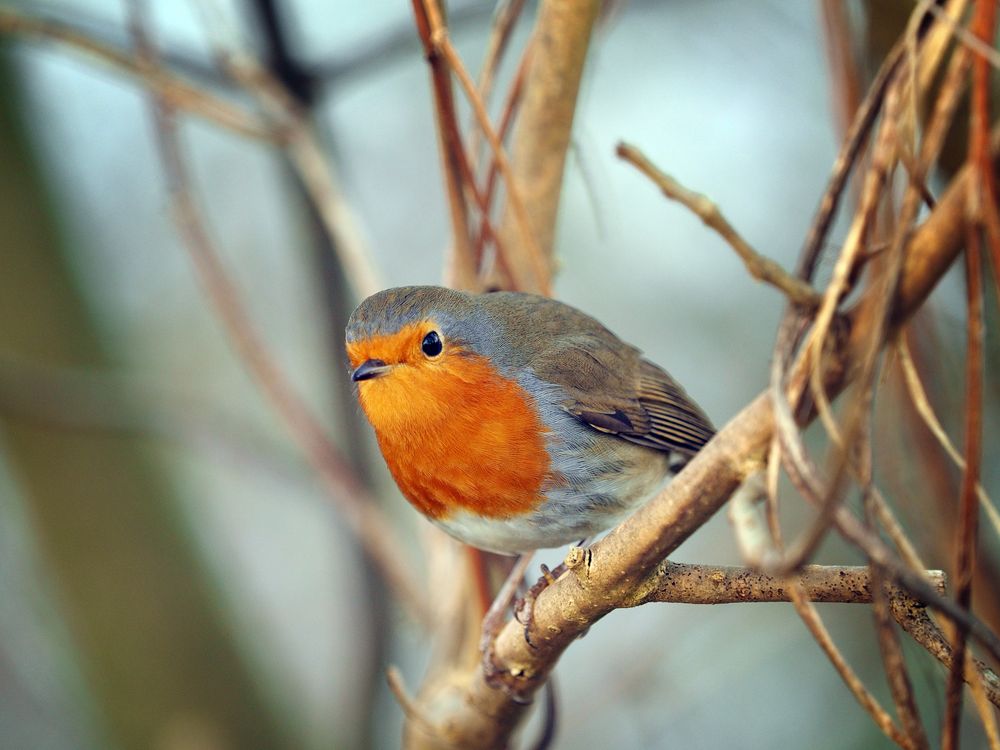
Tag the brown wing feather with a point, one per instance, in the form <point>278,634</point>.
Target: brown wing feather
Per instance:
<point>676,422</point>
<point>614,390</point>
<point>607,384</point>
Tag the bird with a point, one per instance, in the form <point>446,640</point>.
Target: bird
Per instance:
<point>514,421</point>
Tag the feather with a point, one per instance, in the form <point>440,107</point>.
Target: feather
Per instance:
<point>606,383</point>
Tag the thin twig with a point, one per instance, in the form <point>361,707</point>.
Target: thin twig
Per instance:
<point>760,267</point>
<point>981,698</point>
<point>486,229</point>
<point>789,332</point>
<point>937,39</point>
<point>879,308</point>
<point>394,679</point>
<point>893,662</point>
<point>968,514</point>
<point>560,41</point>
<point>982,48</point>
<point>921,402</point>
<point>303,148</point>
<point>282,126</point>
<point>986,712</point>
<point>967,529</point>
<point>460,267</point>
<point>886,151</point>
<point>505,18</point>
<point>442,45</point>
<point>912,616</point>
<point>174,91</point>
<point>844,269</point>
<point>822,636</point>
<point>809,484</point>
<point>370,54</point>
<point>854,142</point>
<point>827,496</point>
<point>359,508</point>
<point>765,550</point>
<point>914,581</point>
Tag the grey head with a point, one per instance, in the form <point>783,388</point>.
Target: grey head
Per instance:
<point>459,318</point>
<point>387,312</point>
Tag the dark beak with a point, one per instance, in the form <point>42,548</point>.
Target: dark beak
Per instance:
<point>369,369</point>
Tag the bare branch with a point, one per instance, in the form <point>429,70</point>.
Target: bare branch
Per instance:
<point>918,394</point>
<point>914,619</point>
<point>284,126</point>
<point>174,91</point>
<point>502,268</point>
<point>561,39</point>
<point>535,260</point>
<point>893,661</point>
<point>303,149</point>
<point>975,44</point>
<point>967,528</point>
<point>815,625</point>
<point>854,141</point>
<point>504,19</point>
<point>460,267</point>
<point>760,267</point>
<point>679,583</point>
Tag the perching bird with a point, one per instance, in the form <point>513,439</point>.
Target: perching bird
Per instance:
<point>514,421</point>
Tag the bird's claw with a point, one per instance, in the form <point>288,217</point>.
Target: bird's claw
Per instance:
<point>524,610</point>
<point>495,676</point>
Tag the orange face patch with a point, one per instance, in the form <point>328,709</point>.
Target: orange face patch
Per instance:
<point>392,348</point>
<point>453,431</point>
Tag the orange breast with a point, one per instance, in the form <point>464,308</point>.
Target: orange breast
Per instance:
<point>456,434</point>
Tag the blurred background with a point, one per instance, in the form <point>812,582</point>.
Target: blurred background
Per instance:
<point>171,573</point>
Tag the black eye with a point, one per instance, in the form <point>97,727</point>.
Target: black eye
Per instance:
<point>431,345</point>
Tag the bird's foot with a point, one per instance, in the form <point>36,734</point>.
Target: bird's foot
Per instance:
<point>494,619</point>
<point>524,611</point>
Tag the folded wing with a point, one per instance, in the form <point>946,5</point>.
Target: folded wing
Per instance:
<point>611,387</point>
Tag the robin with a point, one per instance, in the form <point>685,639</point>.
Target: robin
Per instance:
<point>514,421</point>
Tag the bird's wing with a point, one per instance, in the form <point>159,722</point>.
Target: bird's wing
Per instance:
<point>611,387</point>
